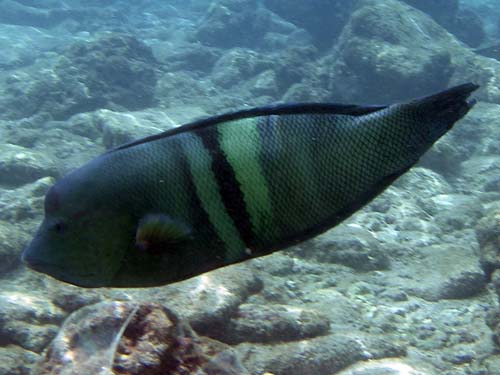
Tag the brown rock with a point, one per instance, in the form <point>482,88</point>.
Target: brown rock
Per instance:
<point>134,339</point>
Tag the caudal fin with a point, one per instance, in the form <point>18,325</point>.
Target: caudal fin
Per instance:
<point>447,106</point>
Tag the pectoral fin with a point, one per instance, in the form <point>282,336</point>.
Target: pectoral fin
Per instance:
<point>159,233</point>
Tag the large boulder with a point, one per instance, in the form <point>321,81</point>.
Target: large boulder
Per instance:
<point>232,23</point>
<point>464,23</point>
<point>323,19</point>
<point>443,11</point>
<point>390,51</point>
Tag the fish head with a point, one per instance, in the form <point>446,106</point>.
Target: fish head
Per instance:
<point>82,239</point>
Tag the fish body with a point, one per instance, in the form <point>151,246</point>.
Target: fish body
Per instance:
<point>229,188</point>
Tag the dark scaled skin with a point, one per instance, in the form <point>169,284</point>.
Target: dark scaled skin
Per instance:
<point>229,188</point>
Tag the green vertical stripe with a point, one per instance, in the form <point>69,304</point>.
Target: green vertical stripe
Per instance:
<point>241,145</point>
<point>207,189</point>
<point>291,164</point>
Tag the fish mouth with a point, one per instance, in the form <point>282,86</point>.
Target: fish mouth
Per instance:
<point>57,272</point>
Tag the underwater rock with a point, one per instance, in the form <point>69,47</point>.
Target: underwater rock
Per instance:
<point>24,202</point>
<point>26,132</point>
<point>493,321</point>
<point>387,47</point>
<point>455,329</point>
<point>211,299</point>
<point>481,173</point>
<point>443,11</point>
<point>492,364</point>
<point>194,57</point>
<point>495,279</point>
<point>482,70</point>
<point>305,92</point>
<point>445,157</point>
<point>463,23</point>
<point>342,310</point>
<point>135,339</point>
<point>28,320</point>
<point>227,23</point>
<point>30,44</point>
<point>16,13</point>
<point>19,165</point>
<point>492,185</point>
<point>489,50</point>
<point>351,246</point>
<point>393,366</point>
<point>156,340</point>
<point>15,360</point>
<point>295,63</point>
<point>70,298</point>
<point>86,124</point>
<point>113,71</point>
<point>423,183</point>
<point>122,127</point>
<point>468,27</point>
<point>181,89</point>
<point>445,271</point>
<point>12,240</point>
<point>475,135</point>
<point>237,23</point>
<point>273,323</point>
<point>467,149</point>
<point>455,212</point>
<point>264,77</point>
<point>324,20</point>
<point>116,69</point>
<point>323,355</point>
<point>265,84</point>
<point>481,143</point>
<point>488,235</point>
<point>238,65</point>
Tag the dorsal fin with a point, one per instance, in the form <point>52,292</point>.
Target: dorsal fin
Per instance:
<point>278,109</point>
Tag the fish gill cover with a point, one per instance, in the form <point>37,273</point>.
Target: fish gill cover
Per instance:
<point>413,275</point>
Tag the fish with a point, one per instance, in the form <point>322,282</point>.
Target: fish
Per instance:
<point>229,188</point>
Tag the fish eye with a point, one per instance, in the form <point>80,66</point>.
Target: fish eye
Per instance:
<point>59,227</point>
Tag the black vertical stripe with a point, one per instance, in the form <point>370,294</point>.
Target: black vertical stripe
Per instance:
<point>229,187</point>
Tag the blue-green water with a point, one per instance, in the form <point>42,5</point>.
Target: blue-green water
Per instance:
<point>408,285</point>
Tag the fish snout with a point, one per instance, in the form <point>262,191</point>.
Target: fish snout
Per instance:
<point>31,255</point>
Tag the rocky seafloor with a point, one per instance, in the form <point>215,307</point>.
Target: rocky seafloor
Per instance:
<point>408,285</point>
